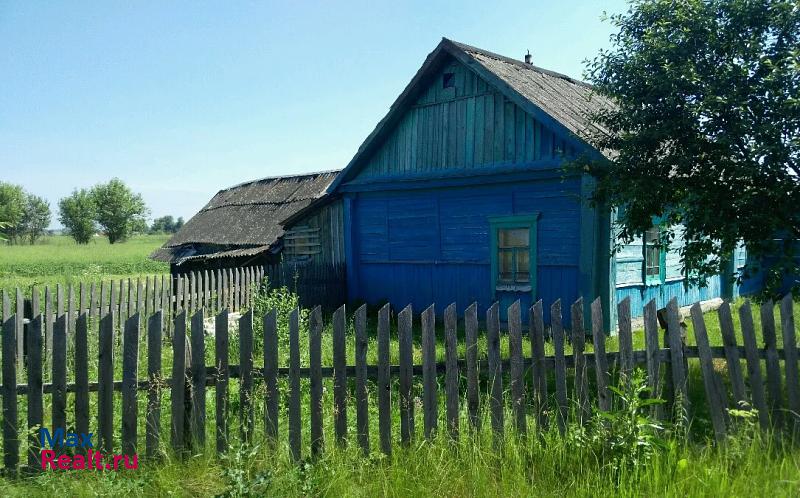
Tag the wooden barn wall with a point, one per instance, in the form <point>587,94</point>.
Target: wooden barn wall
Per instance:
<point>467,126</point>
<point>433,246</point>
<point>330,220</point>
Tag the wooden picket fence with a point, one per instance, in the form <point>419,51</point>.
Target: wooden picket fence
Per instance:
<point>534,388</point>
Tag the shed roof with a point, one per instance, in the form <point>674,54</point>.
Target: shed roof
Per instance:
<point>245,219</point>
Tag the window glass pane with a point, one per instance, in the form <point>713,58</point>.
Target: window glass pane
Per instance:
<point>652,253</point>
<point>523,266</point>
<point>515,237</point>
<point>506,268</point>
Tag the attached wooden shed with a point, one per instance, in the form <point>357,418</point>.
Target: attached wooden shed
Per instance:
<point>243,225</point>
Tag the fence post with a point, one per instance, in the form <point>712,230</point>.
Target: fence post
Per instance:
<point>677,356</point>
<point>35,415</point>
<point>315,378</point>
<point>471,340</point>
<point>295,424</point>
<point>516,367</point>
<point>153,417</point>
<point>82,374</point>
<point>773,363</point>
<point>339,374</point>
<point>405,338</point>
<point>271,374</point>
<point>10,422</point>
<point>600,358</point>
<point>495,370</point>
<point>130,368</point>
<point>430,397</point>
<point>452,376</point>
<point>105,378</point>
<point>625,339</point>
<point>753,364</point>
<point>716,401</point>
<point>178,394</point>
<point>198,362</point>
<point>790,357</point>
<point>539,368</point>
<point>560,364</point>
<point>578,347</point>
<point>221,339</point>
<point>246,373</point>
<point>362,406</point>
<point>384,385</point>
<point>732,354</point>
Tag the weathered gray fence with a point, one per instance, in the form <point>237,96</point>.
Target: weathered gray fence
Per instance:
<point>525,383</point>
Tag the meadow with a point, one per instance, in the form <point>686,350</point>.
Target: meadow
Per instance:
<point>58,259</point>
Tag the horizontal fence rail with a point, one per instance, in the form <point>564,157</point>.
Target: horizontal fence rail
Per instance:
<point>538,389</point>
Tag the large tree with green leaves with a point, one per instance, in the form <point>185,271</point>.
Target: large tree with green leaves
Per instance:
<point>706,130</point>
<point>120,211</point>
<point>35,217</point>
<point>12,209</point>
<point>77,214</point>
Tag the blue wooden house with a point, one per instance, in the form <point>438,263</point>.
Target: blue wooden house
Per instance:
<point>460,195</point>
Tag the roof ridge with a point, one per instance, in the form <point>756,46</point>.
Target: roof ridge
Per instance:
<point>470,48</point>
<point>281,177</point>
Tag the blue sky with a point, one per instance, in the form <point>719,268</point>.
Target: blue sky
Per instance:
<point>180,99</point>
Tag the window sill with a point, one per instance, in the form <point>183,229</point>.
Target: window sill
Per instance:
<point>513,288</point>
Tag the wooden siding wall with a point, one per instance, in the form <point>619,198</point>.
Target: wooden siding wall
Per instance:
<point>330,221</point>
<point>424,246</point>
<point>470,125</point>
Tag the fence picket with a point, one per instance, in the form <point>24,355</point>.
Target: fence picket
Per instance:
<point>732,354</point>
<point>753,364</point>
<point>198,362</point>
<point>539,368</point>
<point>48,331</point>
<point>471,340</point>
<point>20,312</point>
<point>270,374</point>
<point>600,358</point>
<point>130,368</point>
<point>34,371</point>
<point>362,400</point>
<point>581,376</point>
<point>105,380</point>
<point>315,378</point>
<point>246,375</point>
<point>652,348</point>
<point>295,425</point>
<point>59,371</point>
<point>178,386</point>
<point>625,338</point>
<point>715,398</point>
<point>772,363</point>
<point>339,373</point>
<point>677,355</point>
<point>516,367</point>
<point>221,361</point>
<point>495,370</point>
<point>384,386</point>
<point>153,416</point>
<point>452,375</point>
<point>10,410</point>
<point>405,338</point>
<point>790,356</point>
<point>560,365</point>
<point>82,373</point>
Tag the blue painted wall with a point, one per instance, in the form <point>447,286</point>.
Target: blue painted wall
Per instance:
<point>433,246</point>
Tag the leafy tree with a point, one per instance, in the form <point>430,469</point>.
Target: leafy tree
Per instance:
<point>35,218</point>
<point>120,212</point>
<point>178,224</point>
<point>165,224</point>
<point>706,129</point>
<point>12,209</point>
<point>77,213</point>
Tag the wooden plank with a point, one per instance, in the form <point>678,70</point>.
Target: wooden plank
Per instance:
<point>430,395</point>
<point>48,331</point>
<point>34,371</point>
<point>130,368</point>
<point>295,424</point>
<point>246,375</point>
<point>625,339</point>
<point>714,397</point>
<point>339,374</point>
<point>790,356</point>
<point>676,353</point>
<point>732,355</point>
<point>71,313</point>
<point>140,308</point>
<point>560,365</point>
<point>10,409</point>
<point>362,399</point>
<point>539,367</point>
<point>384,386</point>
<point>198,362</point>
<point>191,299</point>
<point>93,301</point>
<point>315,378</point>
<point>516,367</point>
<point>271,374</point>
<point>221,361</point>
<point>772,363</point>
<point>600,358</point>
<point>495,370</point>
<point>753,364</point>
<point>451,372</point>
<point>105,378</point>
<point>147,297</point>
<point>155,325</point>
<point>405,339</point>
<point>20,312</point>
<point>471,353</point>
<point>59,372</point>
<point>178,381</point>
<point>652,348</point>
<point>82,373</point>
<point>207,292</point>
<point>579,359</point>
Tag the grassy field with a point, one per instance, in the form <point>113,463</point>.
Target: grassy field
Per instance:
<point>58,259</point>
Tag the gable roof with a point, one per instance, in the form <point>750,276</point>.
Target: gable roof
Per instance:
<point>556,100</point>
<point>245,219</point>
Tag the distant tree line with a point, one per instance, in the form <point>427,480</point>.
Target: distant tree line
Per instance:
<point>111,208</point>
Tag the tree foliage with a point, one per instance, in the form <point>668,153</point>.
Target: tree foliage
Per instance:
<point>166,224</point>
<point>120,211</point>
<point>77,214</point>
<point>706,131</point>
<point>35,217</point>
<point>25,216</point>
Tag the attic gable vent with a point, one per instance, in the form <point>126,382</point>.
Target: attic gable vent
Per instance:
<point>448,80</point>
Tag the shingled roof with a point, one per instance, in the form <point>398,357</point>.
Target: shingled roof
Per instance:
<point>555,99</point>
<point>245,219</point>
